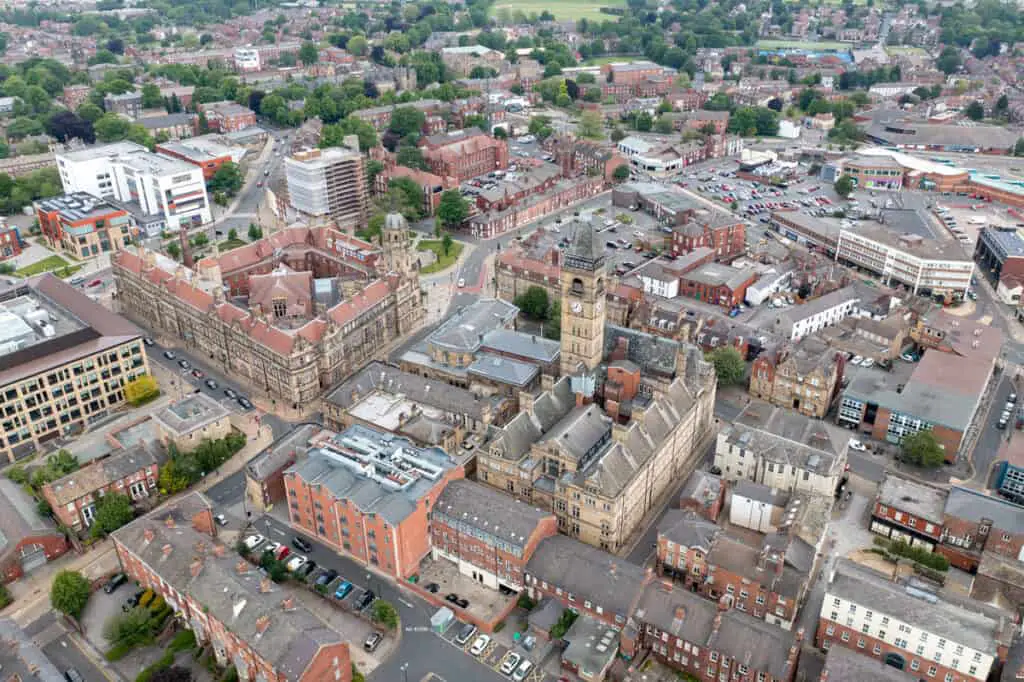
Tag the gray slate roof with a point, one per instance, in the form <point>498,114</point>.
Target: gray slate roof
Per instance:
<point>281,452</point>
<point>687,529</point>
<point>503,370</point>
<point>478,506</point>
<point>967,622</point>
<point>531,346</point>
<point>293,637</point>
<point>842,663</point>
<point>585,244</point>
<point>974,506</point>
<point>464,330</point>
<point>923,501</point>
<point>588,573</point>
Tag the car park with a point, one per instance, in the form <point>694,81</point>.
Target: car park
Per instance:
<point>464,635</point>
<point>510,663</point>
<point>343,589</point>
<point>522,671</point>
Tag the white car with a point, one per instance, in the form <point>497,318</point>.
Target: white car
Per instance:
<point>462,282</point>
<point>857,445</point>
<point>856,360</point>
<point>295,562</point>
<point>253,541</point>
<point>522,671</point>
<point>510,663</point>
<point>868,362</point>
<point>479,645</point>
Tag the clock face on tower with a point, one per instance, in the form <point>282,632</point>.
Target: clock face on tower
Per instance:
<point>599,305</point>
<point>577,307</point>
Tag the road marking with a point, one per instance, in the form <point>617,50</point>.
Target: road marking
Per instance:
<point>405,603</point>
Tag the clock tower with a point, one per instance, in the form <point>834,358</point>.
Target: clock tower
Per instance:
<point>583,314</point>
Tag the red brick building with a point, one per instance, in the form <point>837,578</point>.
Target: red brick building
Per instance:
<point>692,636</point>
<point>27,541</point>
<point>264,474</point>
<point>760,582</point>
<point>974,522</point>
<point>718,284</point>
<point>368,496</point>
<point>934,637</point>
<point>716,230</point>
<point>908,511</point>
<point>10,242</point>
<point>131,472</point>
<point>249,622</point>
<point>432,185</point>
<point>209,162</point>
<point>83,225</point>
<point>489,535</point>
<point>227,117</point>
<point>583,157</point>
<point>630,73</point>
<point>464,154</point>
<point>703,494</point>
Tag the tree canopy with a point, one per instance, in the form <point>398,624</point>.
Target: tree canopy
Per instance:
<point>923,449</point>
<point>729,365</point>
<point>69,593</point>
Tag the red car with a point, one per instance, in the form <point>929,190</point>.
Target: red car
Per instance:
<point>95,283</point>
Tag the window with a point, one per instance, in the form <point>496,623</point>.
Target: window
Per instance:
<point>845,637</point>
<point>830,630</point>
<point>860,643</point>
<point>915,665</point>
<point>932,670</point>
<point>876,650</point>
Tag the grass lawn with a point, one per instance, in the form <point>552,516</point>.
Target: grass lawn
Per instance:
<point>229,244</point>
<point>443,262</point>
<point>801,45</point>
<point>562,9</point>
<point>54,264</point>
<point>905,49</point>
<point>598,61</point>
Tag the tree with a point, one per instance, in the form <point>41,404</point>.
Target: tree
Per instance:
<point>141,390</point>
<point>227,179</point>
<point>385,614</point>
<point>406,120</point>
<point>309,54</point>
<point>553,325</point>
<point>173,250</point>
<point>129,629</point>
<point>255,232</point>
<point>533,303</point>
<point>357,46</point>
<point>729,365</point>
<point>1018,149</point>
<point>69,593</point>
<point>90,112</point>
<point>151,97</point>
<point>65,126</point>
<point>113,510</point>
<point>663,126</point>
<point>621,172</point>
<point>410,196</point>
<point>843,186</point>
<point>233,234</point>
<point>923,449</point>
<point>452,209</point>
<point>975,111</point>
<point>446,243</point>
<point>110,128</point>
<point>411,157</point>
<point>590,125</point>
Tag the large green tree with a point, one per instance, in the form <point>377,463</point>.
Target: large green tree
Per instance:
<point>227,179</point>
<point>453,209</point>
<point>113,510</point>
<point>308,53</point>
<point>843,186</point>
<point>69,593</point>
<point>533,302</point>
<point>923,449</point>
<point>406,121</point>
<point>590,125</point>
<point>729,365</point>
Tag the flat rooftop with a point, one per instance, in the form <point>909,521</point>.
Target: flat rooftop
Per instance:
<point>77,206</point>
<point>155,164</point>
<point>191,413</point>
<point>914,498</point>
<point>102,151</point>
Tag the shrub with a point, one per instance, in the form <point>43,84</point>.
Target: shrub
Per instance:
<point>183,641</point>
<point>5,596</point>
<point>141,390</point>
<point>146,597</point>
<point>500,626</point>
<point>525,602</point>
<point>118,651</point>
<point>158,604</point>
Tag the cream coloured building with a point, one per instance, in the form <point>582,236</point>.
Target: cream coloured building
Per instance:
<point>603,445</point>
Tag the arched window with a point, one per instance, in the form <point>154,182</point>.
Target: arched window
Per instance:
<point>577,286</point>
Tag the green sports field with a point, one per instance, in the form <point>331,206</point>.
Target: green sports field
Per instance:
<point>562,9</point>
<point>801,45</point>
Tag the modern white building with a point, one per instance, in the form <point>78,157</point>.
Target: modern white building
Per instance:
<point>654,159</point>
<point>247,59</point>
<point>161,192</point>
<point>798,321</point>
<point>922,264</point>
<point>658,280</point>
<point>771,281</point>
<point>927,634</point>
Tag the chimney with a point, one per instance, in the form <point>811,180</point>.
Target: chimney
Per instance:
<point>166,549</point>
<point>218,550</point>
<point>196,567</point>
<point>169,522</point>
<point>717,623</point>
<point>265,585</point>
<point>288,604</point>
<point>824,676</point>
<point>262,623</point>
<point>148,535</point>
<point>242,567</point>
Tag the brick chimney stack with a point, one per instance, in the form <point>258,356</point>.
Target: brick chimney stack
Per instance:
<point>265,585</point>
<point>262,623</point>
<point>196,567</point>
<point>148,535</point>
<point>218,550</point>
<point>288,604</point>
<point>166,549</point>
<point>242,567</point>
<point>169,522</point>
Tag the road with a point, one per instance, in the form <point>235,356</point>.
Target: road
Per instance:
<point>52,637</point>
<point>991,437</point>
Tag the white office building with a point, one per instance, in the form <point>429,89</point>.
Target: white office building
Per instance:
<point>161,192</point>
<point>247,59</point>
<point>328,183</point>
<point>921,264</point>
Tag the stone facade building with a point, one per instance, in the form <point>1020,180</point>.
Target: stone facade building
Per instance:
<point>803,376</point>
<point>362,296</point>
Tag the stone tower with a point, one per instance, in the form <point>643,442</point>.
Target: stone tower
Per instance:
<point>396,244</point>
<point>583,293</point>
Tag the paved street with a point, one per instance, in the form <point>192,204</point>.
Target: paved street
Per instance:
<point>65,651</point>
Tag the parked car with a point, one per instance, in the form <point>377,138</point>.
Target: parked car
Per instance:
<point>432,588</point>
<point>857,445</point>
<point>1012,397</point>
<point>72,675</point>
<point>464,635</point>
<point>365,600</point>
<point>221,520</point>
<point>198,373</point>
<point>184,364</point>
<point>479,644</point>
<point>295,563</point>
<point>868,362</point>
<point>244,402</point>
<point>306,569</point>
<point>343,589</point>
<point>372,641</point>
<point>857,360</point>
<point>522,671</point>
<point>211,384</point>
<point>115,582</point>
<point>327,577</point>
<point>169,354</point>
<point>230,394</point>
<point>253,541</point>
<point>148,341</point>
<point>302,543</point>
<point>510,663</point>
